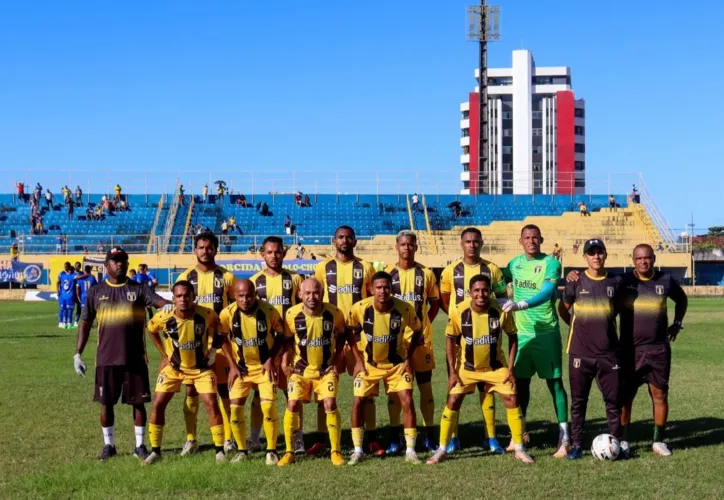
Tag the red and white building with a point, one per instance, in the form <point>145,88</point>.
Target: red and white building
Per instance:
<point>536,132</point>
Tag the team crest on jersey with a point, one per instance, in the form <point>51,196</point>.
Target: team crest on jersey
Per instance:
<point>537,269</point>
<point>199,330</point>
<point>286,284</point>
<point>576,363</point>
<point>659,289</point>
<point>260,326</point>
<point>609,291</point>
<point>357,273</point>
<point>327,326</point>
<point>494,323</point>
<point>418,280</point>
<point>394,324</point>
<point>131,296</point>
<point>218,283</point>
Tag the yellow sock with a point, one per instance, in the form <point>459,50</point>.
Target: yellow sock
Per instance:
<point>487,404</point>
<point>291,424</point>
<point>515,422</point>
<point>271,424</point>
<point>427,404</point>
<point>301,416</point>
<point>191,413</point>
<point>334,426</point>
<point>358,437</point>
<point>322,420</point>
<point>217,435</point>
<point>370,415</point>
<point>410,438</point>
<point>394,409</point>
<point>448,423</point>
<point>257,418</point>
<point>238,426</point>
<point>155,435</point>
<point>225,408</point>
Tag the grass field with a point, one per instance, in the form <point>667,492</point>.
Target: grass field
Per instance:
<point>50,436</point>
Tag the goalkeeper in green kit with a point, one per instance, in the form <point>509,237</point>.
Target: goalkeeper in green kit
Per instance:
<point>535,276</point>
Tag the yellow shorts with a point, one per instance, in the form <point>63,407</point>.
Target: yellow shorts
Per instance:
<point>423,359</point>
<point>493,380</point>
<point>170,380</point>
<point>302,388</point>
<point>366,386</point>
<point>254,380</point>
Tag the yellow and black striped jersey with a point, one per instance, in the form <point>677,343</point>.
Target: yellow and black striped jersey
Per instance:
<point>315,338</point>
<point>280,291</point>
<point>416,286</point>
<point>481,345</point>
<point>253,334</point>
<point>345,283</point>
<point>214,289</point>
<point>187,341</point>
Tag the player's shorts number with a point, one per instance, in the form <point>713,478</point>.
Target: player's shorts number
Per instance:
<point>330,387</point>
<point>358,383</point>
<point>408,378</point>
<point>290,387</point>
<point>428,359</point>
<point>213,380</point>
<point>160,380</point>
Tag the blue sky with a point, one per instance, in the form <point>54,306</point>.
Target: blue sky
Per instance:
<point>151,88</point>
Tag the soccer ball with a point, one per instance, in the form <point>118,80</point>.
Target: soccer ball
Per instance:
<point>605,447</point>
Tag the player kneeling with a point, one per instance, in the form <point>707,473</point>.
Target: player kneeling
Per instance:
<point>480,324</point>
<point>188,350</point>
<point>317,331</point>
<point>255,331</point>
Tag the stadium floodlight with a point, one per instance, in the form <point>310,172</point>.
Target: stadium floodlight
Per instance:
<point>483,26</point>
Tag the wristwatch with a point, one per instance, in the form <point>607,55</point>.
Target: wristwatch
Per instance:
<point>678,323</point>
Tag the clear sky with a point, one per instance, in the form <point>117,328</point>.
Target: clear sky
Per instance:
<point>358,87</point>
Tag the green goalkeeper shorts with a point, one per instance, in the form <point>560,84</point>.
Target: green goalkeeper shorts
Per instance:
<point>542,355</point>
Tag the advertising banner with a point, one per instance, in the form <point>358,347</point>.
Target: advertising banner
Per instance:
<point>20,272</point>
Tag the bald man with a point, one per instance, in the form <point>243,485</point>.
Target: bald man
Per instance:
<point>315,330</point>
<point>255,330</point>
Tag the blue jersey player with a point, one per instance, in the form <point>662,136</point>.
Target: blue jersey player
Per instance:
<point>66,295</point>
<point>83,282</point>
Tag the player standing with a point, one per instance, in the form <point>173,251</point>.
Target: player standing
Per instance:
<point>279,288</point>
<point>535,276</point>
<point>146,276</point>
<point>317,332</point>
<point>346,281</point>
<point>416,285</point>
<point>480,324</point>
<point>119,305</point>
<point>390,333</point>
<point>213,289</point>
<point>83,283</point>
<point>65,286</point>
<point>78,272</point>
<point>593,348</point>
<point>455,281</point>
<point>188,350</point>
<point>256,331</point>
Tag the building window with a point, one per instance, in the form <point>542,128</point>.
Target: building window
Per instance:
<point>507,149</point>
<point>507,132</point>
<point>466,184</point>
<point>580,166</point>
<point>507,80</point>
<point>579,130</point>
<point>537,132</point>
<point>580,113</point>
<point>507,115</point>
<point>507,167</point>
<point>580,183</point>
<point>580,148</point>
<point>537,115</point>
<point>466,132</point>
<point>538,149</point>
<point>466,150</point>
<point>466,115</point>
<point>537,167</point>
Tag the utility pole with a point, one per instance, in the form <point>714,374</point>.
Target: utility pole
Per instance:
<point>483,26</point>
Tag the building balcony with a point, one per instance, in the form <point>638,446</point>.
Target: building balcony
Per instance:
<point>464,176</point>
<point>465,141</point>
<point>465,159</point>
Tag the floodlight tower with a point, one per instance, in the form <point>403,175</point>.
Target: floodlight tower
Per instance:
<point>483,26</point>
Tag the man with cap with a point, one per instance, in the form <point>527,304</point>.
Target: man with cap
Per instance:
<point>593,348</point>
<point>119,304</point>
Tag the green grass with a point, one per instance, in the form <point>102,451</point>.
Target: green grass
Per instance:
<point>50,436</point>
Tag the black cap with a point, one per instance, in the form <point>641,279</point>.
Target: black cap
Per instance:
<point>594,243</point>
<point>116,253</point>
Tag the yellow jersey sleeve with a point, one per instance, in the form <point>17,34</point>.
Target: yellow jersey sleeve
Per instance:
<point>446,284</point>
<point>497,279</point>
<point>453,324</point>
<point>158,322</point>
<point>289,330</point>
<point>319,273</point>
<point>296,284</point>
<point>413,321</point>
<point>229,282</point>
<point>184,275</point>
<point>215,335</point>
<point>369,272</point>
<point>275,322</point>
<point>225,321</point>
<point>432,291</point>
<point>355,318</point>
<point>508,323</point>
<point>340,325</point>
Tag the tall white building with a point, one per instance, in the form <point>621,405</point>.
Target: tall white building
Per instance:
<point>536,132</point>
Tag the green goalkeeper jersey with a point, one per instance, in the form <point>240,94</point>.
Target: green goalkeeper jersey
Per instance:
<point>528,277</point>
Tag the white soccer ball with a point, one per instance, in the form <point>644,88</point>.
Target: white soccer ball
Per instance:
<point>605,447</point>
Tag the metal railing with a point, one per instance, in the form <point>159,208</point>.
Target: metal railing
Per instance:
<point>171,218</point>
<point>660,222</point>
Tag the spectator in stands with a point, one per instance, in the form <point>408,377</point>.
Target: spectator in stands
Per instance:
<point>287,223</point>
<point>298,199</point>
<point>300,251</point>
<point>38,192</point>
<point>575,247</point>
<point>39,226</point>
<point>264,210</point>
<point>220,194</point>
<point>89,214</point>
<point>227,242</point>
<point>634,194</point>
<point>242,201</point>
<point>59,244</point>
<point>117,190</point>
<point>224,227</point>
<point>99,211</point>
<point>101,248</point>
<point>85,250</point>
<point>312,256</point>
<point>659,247</point>
<point>65,191</point>
<point>557,251</point>
<point>415,202</point>
<point>205,194</point>
<point>181,195</point>
<point>21,191</point>
<point>252,248</point>
<point>78,196</point>
<point>612,203</point>
<point>49,200</point>
<point>71,208</point>
<point>307,201</point>
<point>14,252</point>
<point>123,207</point>
<point>584,210</point>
